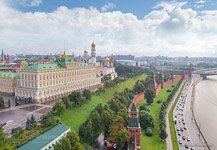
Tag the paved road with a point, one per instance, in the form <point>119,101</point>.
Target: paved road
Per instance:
<point>17,116</point>
<point>168,139</point>
<point>187,132</point>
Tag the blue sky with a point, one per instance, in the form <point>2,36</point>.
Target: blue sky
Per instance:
<point>137,7</point>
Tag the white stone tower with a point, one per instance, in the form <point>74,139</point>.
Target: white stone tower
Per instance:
<point>93,53</point>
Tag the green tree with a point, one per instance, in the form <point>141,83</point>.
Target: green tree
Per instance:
<point>124,114</point>
<point>107,117</point>
<point>67,102</point>
<point>139,87</point>
<point>1,102</point>
<point>47,120</point>
<point>74,141</point>
<point>87,94</point>
<point>163,134</point>
<point>28,124</point>
<point>148,132</point>
<point>32,121</point>
<point>146,120</point>
<point>86,131</point>
<point>63,144</point>
<point>17,131</point>
<point>76,98</point>
<point>118,132</point>
<point>149,96</point>
<point>70,142</point>
<point>97,125</point>
<point>2,134</point>
<point>58,108</point>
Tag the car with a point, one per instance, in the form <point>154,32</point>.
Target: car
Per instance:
<point>188,139</point>
<point>179,134</point>
<point>183,137</point>
<point>182,119</point>
<point>179,121</point>
<point>192,148</point>
<point>186,146</point>
<point>180,141</point>
<point>185,128</point>
<point>178,129</point>
<point>183,123</point>
<point>175,116</point>
<point>181,129</point>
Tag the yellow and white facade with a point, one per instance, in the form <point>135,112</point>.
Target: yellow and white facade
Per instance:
<point>43,82</point>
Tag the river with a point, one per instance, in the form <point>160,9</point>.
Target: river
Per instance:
<point>206,109</point>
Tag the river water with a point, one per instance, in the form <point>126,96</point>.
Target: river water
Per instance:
<point>206,109</point>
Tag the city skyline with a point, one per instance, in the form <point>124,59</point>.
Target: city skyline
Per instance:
<point>34,27</point>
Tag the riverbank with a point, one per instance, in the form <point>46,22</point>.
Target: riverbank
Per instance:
<point>196,122</point>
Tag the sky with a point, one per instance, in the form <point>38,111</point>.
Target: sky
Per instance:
<point>137,27</point>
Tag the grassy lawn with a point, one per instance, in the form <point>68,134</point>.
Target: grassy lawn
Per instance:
<point>172,126</point>
<point>76,116</point>
<point>154,142</point>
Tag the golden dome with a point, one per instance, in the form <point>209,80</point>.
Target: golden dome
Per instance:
<point>107,59</point>
<point>93,45</point>
<point>85,51</point>
<point>64,55</point>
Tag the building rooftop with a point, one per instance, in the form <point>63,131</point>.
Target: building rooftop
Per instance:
<point>9,75</point>
<point>45,138</point>
<point>133,107</point>
<point>133,123</point>
<point>42,67</point>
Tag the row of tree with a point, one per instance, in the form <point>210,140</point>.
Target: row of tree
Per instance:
<point>74,99</point>
<point>127,71</point>
<point>162,114</point>
<point>110,119</point>
<point>2,104</point>
<point>70,142</point>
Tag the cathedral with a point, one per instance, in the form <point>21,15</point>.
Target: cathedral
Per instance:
<point>4,58</point>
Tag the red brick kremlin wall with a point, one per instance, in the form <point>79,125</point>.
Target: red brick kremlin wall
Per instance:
<point>141,96</point>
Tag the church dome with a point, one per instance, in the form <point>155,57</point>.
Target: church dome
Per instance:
<point>93,45</point>
<point>85,51</point>
<point>107,59</point>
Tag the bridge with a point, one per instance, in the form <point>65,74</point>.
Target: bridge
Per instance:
<point>206,72</point>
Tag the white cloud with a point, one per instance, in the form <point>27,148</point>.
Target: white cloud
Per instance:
<point>30,3</point>
<point>108,6</point>
<point>200,1</point>
<point>170,30</point>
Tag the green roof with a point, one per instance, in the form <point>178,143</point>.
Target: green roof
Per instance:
<point>45,138</point>
<point>9,75</point>
<point>133,123</point>
<point>42,67</point>
<point>133,108</point>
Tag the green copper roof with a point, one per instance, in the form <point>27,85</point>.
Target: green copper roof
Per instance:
<point>42,67</point>
<point>133,123</point>
<point>133,107</point>
<point>45,138</point>
<point>9,75</point>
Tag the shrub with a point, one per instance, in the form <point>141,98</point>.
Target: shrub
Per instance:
<point>168,90</point>
<point>148,132</point>
<point>159,101</point>
<point>143,107</point>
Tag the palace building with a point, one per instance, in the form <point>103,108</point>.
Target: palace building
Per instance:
<point>46,81</point>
